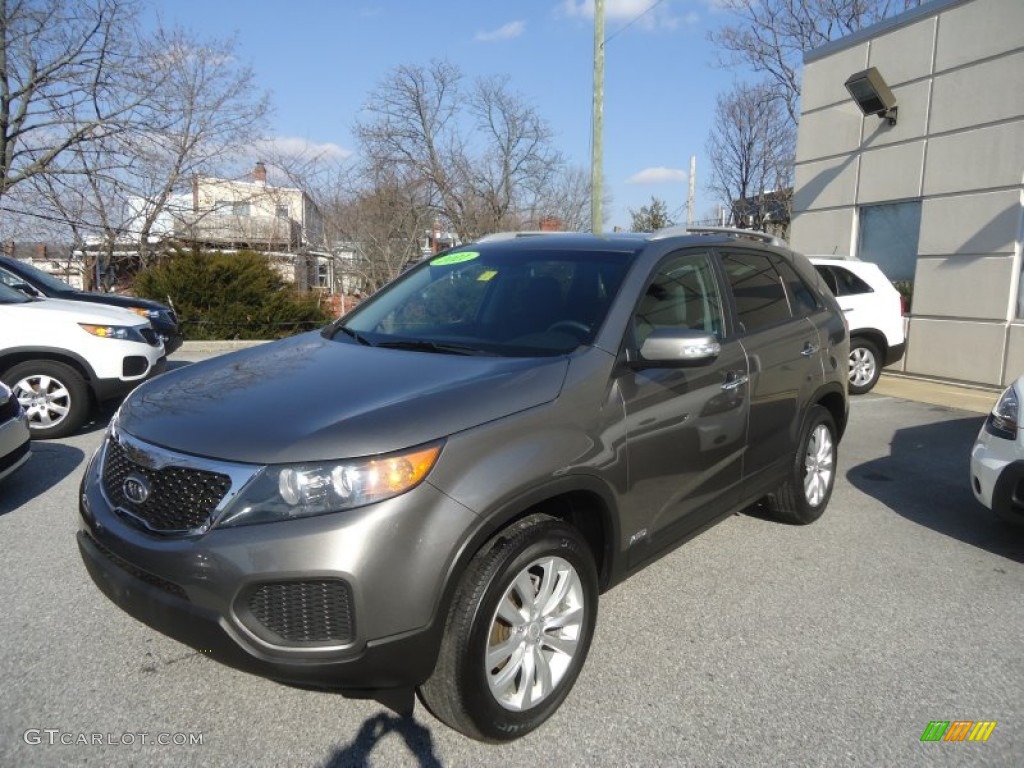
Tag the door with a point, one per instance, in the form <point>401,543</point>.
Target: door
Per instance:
<point>686,426</point>
<point>784,353</point>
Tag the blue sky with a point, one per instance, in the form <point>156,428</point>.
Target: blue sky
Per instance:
<point>320,60</point>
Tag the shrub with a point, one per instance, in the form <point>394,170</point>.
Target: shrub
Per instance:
<point>229,296</point>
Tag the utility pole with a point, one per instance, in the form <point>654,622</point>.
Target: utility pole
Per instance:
<point>689,200</point>
<point>597,149</point>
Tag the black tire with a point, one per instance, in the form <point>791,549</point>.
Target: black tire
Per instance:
<point>865,366</point>
<point>67,401</point>
<point>795,502</point>
<point>460,693</point>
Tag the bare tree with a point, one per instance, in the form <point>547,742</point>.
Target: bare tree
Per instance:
<point>751,152</point>
<point>62,66</point>
<point>207,106</point>
<point>771,36</point>
<point>485,155</point>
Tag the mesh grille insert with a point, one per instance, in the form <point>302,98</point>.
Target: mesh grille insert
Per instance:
<point>180,498</point>
<point>305,611</point>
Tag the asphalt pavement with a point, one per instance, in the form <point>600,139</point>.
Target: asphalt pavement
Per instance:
<point>756,644</point>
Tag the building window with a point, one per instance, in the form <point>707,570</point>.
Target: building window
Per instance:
<point>239,209</point>
<point>888,236</point>
<point>282,211</point>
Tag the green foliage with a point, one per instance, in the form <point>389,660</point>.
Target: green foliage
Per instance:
<point>906,289</point>
<point>229,296</point>
<point>651,218</point>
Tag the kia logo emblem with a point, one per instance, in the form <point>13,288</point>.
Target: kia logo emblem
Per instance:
<point>136,489</point>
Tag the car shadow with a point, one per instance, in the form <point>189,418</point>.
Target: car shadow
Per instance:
<point>48,465</point>
<point>357,754</point>
<point>925,478</point>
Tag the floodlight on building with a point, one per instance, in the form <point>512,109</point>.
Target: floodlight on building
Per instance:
<point>872,95</point>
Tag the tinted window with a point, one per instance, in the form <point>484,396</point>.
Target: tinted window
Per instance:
<point>683,294</point>
<point>497,302</point>
<point>848,283</point>
<point>801,298</point>
<point>757,291</point>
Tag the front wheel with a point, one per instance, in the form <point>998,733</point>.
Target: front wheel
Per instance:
<point>802,498</point>
<point>54,395</point>
<point>517,633</point>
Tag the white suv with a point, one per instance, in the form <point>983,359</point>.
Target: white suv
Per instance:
<point>874,312</point>
<point>62,357</point>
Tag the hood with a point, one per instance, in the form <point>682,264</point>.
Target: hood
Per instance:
<point>115,300</point>
<point>78,312</point>
<point>309,399</point>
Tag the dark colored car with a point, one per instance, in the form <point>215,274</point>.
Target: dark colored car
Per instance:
<point>14,434</point>
<point>430,494</point>
<point>35,282</point>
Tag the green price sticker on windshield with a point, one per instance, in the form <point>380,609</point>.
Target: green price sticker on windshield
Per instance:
<point>454,258</point>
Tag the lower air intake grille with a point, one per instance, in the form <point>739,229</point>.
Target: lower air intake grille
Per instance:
<point>305,611</point>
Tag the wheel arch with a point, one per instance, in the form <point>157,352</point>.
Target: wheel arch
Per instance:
<point>17,355</point>
<point>834,400</point>
<point>876,337</point>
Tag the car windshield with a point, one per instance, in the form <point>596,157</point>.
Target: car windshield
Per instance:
<point>499,302</point>
<point>37,277</point>
<point>11,296</point>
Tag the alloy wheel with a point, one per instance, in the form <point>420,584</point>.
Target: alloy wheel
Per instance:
<point>818,465</point>
<point>45,399</point>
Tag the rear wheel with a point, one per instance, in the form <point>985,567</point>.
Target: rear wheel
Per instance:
<point>802,498</point>
<point>865,366</point>
<point>54,396</point>
<point>517,633</point>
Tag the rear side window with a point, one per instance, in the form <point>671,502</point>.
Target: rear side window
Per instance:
<point>801,298</point>
<point>757,291</point>
<point>842,281</point>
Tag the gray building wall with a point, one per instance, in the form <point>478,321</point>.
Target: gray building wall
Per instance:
<point>956,68</point>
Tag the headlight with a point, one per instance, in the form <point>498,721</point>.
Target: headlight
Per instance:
<point>282,492</point>
<point>149,314</point>
<point>1005,417</point>
<point>122,332</point>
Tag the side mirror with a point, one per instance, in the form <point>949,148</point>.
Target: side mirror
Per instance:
<point>680,347</point>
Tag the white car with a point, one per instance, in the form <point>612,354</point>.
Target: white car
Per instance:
<point>62,357</point>
<point>997,459</point>
<point>874,312</point>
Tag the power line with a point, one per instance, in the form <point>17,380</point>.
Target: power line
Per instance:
<point>632,21</point>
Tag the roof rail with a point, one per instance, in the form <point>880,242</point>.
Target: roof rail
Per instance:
<point>524,233</point>
<point>750,234</point>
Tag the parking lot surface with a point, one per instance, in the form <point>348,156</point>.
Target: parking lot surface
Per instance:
<point>754,644</point>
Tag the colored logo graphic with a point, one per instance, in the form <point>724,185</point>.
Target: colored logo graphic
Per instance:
<point>958,730</point>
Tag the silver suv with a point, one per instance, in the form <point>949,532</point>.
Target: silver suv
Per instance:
<point>429,494</point>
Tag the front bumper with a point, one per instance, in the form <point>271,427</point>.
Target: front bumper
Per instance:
<point>14,444</point>
<point>394,556</point>
<point>997,475</point>
<point>117,388</point>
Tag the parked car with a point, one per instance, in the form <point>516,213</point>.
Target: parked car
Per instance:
<point>430,493</point>
<point>997,459</point>
<point>14,434</point>
<point>62,357</point>
<point>874,311</point>
<point>35,282</point>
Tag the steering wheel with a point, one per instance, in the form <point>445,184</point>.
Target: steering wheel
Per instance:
<point>571,325</point>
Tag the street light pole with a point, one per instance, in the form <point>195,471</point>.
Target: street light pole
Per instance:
<point>596,190</point>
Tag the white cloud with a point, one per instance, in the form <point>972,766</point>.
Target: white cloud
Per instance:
<point>644,14</point>
<point>505,32</point>
<point>293,146</point>
<point>659,175</point>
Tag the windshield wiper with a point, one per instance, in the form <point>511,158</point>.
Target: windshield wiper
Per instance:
<point>354,334</point>
<point>424,345</point>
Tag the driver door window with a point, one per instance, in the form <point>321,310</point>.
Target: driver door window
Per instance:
<point>683,294</point>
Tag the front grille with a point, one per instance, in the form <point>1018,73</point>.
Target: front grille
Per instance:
<point>306,611</point>
<point>180,499</point>
<point>152,337</point>
<point>138,573</point>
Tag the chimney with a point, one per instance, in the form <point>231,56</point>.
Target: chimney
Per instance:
<point>259,173</point>
<point>40,251</point>
<point>550,224</point>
